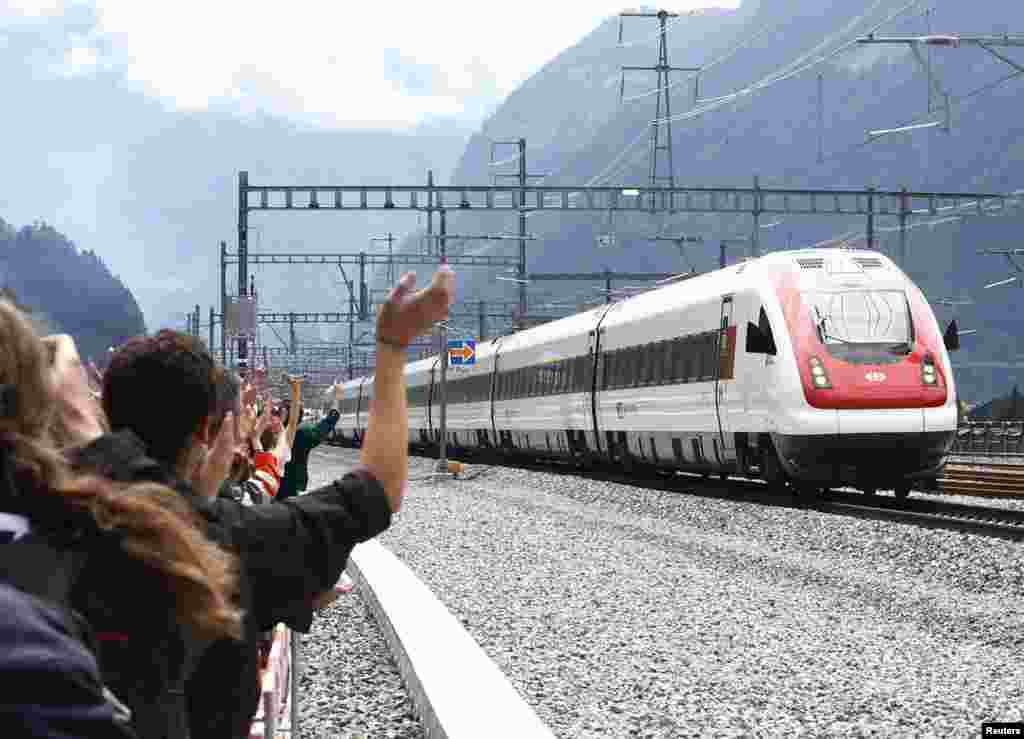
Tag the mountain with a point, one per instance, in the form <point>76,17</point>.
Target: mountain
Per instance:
<point>577,132</point>
<point>70,291</point>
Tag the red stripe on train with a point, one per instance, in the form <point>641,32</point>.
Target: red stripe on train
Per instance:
<point>901,385</point>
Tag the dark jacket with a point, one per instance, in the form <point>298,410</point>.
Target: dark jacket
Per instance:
<point>307,438</point>
<point>289,554</point>
<point>145,656</point>
<point>49,675</point>
<point>51,682</point>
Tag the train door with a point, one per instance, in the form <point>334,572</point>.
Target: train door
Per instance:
<point>431,396</point>
<point>496,438</point>
<point>362,402</point>
<point>725,370</point>
<point>595,378</point>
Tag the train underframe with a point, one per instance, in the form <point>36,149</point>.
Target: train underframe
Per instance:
<point>869,462</point>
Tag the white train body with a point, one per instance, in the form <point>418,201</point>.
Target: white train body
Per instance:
<point>828,362</point>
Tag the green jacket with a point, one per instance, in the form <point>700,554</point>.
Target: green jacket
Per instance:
<point>307,437</point>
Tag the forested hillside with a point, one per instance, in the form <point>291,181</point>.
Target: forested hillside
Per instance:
<point>73,292</point>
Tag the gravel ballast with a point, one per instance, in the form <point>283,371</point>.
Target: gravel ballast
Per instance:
<point>622,611</point>
<point>350,687</point>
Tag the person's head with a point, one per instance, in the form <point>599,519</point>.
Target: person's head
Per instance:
<point>276,419</point>
<point>286,412</point>
<point>170,392</point>
<point>242,465</point>
<point>153,524</point>
<point>27,402</point>
<point>269,437</point>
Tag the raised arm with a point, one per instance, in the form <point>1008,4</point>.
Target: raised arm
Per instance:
<point>287,436</point>
<point>406,315</point>
<point>295,409</point>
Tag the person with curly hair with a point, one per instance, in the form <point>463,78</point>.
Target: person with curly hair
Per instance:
<point>55,523</point>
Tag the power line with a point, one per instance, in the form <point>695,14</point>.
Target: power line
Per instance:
<point>800,68</point>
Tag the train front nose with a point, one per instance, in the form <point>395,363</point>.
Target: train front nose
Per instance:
<point>856,458</point>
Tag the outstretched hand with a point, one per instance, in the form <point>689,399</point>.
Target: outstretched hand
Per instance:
<point>408,313</point>
<point>214,469</point>
<point>264,419</point>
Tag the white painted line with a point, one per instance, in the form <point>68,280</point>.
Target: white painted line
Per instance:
<point>458,692</point>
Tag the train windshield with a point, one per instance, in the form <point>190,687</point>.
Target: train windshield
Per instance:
<point>862,320</point>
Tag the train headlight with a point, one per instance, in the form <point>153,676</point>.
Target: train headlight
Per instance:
<point>818,374</point>
<point>928,374</point>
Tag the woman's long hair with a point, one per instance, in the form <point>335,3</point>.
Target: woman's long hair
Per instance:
<point>154,524</point>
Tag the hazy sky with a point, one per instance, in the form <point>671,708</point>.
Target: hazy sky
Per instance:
<point>344,64</point>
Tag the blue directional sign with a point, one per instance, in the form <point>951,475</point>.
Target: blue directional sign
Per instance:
<point>461,353</point>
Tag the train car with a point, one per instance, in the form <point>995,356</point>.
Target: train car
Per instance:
<point>812,367</point>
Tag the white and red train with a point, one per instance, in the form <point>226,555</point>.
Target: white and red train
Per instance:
<point>814,367</point>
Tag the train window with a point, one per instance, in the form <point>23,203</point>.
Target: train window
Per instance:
<point>657,363</point>
<point>678,359</point>
<point>684,359</point>
<point>765,325</point>
<point>606,368</point>
<point>698,347</point>
<point>641,357</point>
<point>621,376</point>
<point>711,355</point>
<point>671,361</point>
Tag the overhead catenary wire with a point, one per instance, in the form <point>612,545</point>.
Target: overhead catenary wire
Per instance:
<point>710,65</point>
<point>799,69</point>
<point>777,75</point>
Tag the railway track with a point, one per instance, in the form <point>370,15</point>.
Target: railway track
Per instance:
<point>992,522</point>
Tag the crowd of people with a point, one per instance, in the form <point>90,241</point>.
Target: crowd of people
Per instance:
<point>137,577</point>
